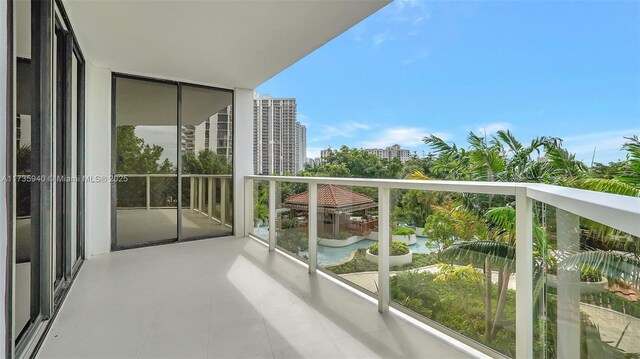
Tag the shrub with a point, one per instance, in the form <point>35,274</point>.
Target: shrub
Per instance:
<point>403,231</point>
<point>590,274</point>
<point>397,248</point>
<point>289,223</point>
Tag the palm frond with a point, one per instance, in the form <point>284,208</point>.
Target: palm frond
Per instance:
<point>418,175</point>
<point>612,265</point>
<point>609,186</point>
<point>476,253</point>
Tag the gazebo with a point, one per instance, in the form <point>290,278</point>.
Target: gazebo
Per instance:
<point>335,205</point>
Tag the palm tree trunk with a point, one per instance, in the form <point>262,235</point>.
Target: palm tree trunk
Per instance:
<point>502,296</point>
<point>487,301</point>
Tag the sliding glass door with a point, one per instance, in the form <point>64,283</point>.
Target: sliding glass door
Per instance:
<point>47,157</point>
<point>164,131</point>
<point>147,161</point>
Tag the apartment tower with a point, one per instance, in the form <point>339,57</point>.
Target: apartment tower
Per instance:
<point>279,141</point>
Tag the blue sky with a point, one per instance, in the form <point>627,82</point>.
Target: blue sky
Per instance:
<point>569,69</point>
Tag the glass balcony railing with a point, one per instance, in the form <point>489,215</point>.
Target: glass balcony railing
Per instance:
<point>510,269</point>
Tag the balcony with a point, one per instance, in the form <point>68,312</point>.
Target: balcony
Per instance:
<point>292,297</point>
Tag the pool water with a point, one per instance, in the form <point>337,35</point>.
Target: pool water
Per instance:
<point>328,256</point>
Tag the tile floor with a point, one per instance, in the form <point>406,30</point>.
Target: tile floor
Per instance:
<point>223,298</point>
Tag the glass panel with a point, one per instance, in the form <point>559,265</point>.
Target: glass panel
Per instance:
<point>261,210</point>
<point>25,245</point>
<point>587,288</point>
<point>74,159</point>
<point>206,142</point>
<point>292,229</point>
<point>347,230</point>
<point>465,280</point>
<point>146,137</point>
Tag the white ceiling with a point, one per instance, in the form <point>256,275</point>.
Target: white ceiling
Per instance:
<point>224,43</point>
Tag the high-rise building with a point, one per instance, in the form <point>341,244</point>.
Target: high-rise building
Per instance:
<point>301,145</point>
<point>215,134</point>
<point>278,139</point>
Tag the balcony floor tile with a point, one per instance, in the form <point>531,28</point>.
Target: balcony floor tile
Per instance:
<point>223,298</point>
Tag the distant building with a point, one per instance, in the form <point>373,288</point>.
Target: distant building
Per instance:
<point>388,153</point>
<point>279,141</point>
<point>314,161</point>
<point>301,145</point>
<point>215,134</point>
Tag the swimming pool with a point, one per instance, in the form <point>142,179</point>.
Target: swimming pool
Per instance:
<point>335,255</point>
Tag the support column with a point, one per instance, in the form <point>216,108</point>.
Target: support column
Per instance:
<point>384,239</point>
<point>242,154</point>
<point>568,236</point>
<point>524,274</point>
<point>313,227</point>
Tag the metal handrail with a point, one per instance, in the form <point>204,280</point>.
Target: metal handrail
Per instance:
<point>616,211</point>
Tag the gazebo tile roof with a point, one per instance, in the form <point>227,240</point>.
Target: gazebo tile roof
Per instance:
<point>331,196</point>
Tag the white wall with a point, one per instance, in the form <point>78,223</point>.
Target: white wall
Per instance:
<point>243,153</point>
<point>98,160</point>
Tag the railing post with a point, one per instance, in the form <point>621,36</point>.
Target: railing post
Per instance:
<point>568,237</point>
<point>248,206</point>
<point>214,195</point>
<point>223,200</point>
<point>192,192</point>
<point>200,194</point>
<point>313,227</point>
<point>272,215</point>
<point>384,239</point>
<point>148,178</point>
<point>524,274</point>
<point>209,197</point>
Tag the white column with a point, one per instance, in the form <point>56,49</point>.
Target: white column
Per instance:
<point>242,156</point>
<point>568,237</point>
<point>384,239</point>
<point>313,227</point>
<point>272,215</point>
<point>148,192</point>
<point>524,274</point>
<point>98,160</point>
<point>223,201</point>
<point>209,197</point>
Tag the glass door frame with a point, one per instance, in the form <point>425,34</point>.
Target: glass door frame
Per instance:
<point>179,175</point>
<point>43,304</point>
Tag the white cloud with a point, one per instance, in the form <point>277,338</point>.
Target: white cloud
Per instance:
<point>493,127</point>
<point>404,136</point>
<point>379,38</point>
<point>303,119</point>
<point>313,152</point>
<point>607,145</point>
<point>344,130</point>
